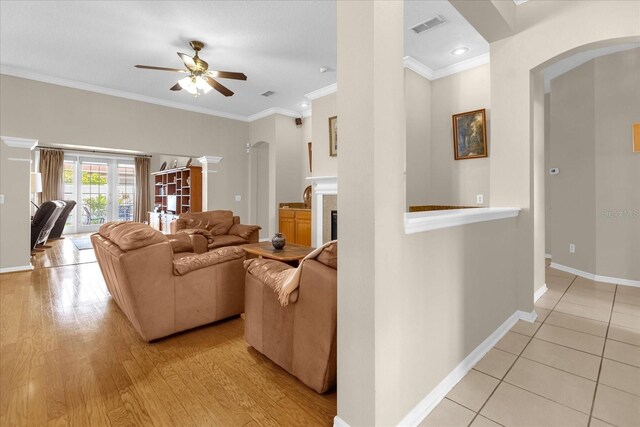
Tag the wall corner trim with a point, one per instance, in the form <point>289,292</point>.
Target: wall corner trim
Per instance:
<point>15,142</point>
<point>16,269</point>
<point>420,411</point>
<point>339,422</point>
<point>596,277</point>
<point>209,159</point>
<point>541,291</point>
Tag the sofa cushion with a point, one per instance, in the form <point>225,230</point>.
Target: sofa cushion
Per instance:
<point>187,264</point>
<point>329,256</point>
<point>131,235</point>
<point>217,222</point>
<point>180,242</point>
<point>242,230</point>
<point>227,240</point>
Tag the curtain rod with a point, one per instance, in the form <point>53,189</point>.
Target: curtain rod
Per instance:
<point>40,147</point>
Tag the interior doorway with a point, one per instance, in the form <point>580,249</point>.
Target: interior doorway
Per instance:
<point>260,187</point>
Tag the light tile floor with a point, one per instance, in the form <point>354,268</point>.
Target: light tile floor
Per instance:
<point>577,365</point>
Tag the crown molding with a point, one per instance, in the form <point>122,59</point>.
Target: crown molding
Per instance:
<point>418,67</point>
<point>16,72</point>
<point>274,110</point>
<point>306,114</point>
<point>429,74</point>
<point>209,159</point>
<point>461,66</point>
<point>322,92</point>
<point>15,142</point>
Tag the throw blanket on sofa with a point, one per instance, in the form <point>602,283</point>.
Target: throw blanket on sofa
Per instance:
<point>291,280</point>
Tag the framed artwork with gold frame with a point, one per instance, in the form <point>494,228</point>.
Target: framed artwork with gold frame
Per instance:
<point>470,135</point>
<point>333,136</point>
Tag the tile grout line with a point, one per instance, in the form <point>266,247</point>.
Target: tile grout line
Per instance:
<point>516,359</point>
<point>595,391</point>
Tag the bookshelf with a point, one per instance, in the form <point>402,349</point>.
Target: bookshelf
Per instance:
<point>183,183</point>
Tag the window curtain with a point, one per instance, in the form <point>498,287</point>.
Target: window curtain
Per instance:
<point>52,170</point>
<point>141,206</point>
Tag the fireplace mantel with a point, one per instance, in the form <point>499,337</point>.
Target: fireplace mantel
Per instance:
<point>322,186</point>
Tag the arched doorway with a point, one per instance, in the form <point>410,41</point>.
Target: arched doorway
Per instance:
<point>259,187</point>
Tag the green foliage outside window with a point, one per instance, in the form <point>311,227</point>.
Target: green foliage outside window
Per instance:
<point>88,178</point>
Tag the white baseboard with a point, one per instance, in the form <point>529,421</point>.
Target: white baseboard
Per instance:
<point>339,422</point>
<point>541,291</point>
<point>420,412</point>
<point>597,278</point>
<point>15,269</point>
<point>548,256</point>
<point>266,239</point>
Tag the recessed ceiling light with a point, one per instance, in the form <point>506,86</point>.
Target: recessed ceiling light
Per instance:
<point>304,104</point>
<point>324,69</point>
<point>460,51</point>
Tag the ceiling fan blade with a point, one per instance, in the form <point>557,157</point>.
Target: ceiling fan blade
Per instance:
<point>149,67</point>
<point>176,87</point>
<point>227,75</point>
<point>188,61</point>
<point>217,86</point>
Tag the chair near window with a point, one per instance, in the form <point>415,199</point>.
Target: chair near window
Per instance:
<point>89,219</point>
<point>58,227</point>
<point>44,220</point>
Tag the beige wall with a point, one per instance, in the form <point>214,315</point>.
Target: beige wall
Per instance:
<point>15,225</point>
<point>548,31</point>
<point>263,131</point>
<point>595,204</point>
<point>323,108</point>
<point>410,307</point>
<point>457,182</point>
<point>572,149</point>
<point>417,98</point>
<point>60,115</point>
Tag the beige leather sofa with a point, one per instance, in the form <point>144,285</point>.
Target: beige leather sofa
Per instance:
<point>300,337</point>
<point>221,228</point>
<point>162,285</point>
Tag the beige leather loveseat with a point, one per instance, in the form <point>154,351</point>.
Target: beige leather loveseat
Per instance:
<point>161,285</point>
<point>221,228</point>
<point>301,336</point>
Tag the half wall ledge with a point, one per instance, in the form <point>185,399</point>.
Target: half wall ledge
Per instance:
<point>417,222</point>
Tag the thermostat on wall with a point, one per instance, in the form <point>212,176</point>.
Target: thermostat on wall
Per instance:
<point>554,171</point>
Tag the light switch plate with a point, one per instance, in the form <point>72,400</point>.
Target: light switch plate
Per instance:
<point>1,199</point>
<point>480,199</point>
<point>572,248</point>
<point>238,198</point>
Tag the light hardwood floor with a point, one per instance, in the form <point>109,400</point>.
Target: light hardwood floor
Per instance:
<point>69,356</point>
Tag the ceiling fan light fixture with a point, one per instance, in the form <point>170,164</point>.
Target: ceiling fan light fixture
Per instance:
<point>188,84</point>
<point>202,85</point>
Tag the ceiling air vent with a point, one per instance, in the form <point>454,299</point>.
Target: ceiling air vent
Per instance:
<point>267,93</point>
<point>428,24</point>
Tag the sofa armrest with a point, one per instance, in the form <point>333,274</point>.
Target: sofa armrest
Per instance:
<point>188,264</point>
<point>247,232</point>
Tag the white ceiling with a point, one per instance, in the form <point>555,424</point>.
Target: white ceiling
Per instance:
<point>279,45</point>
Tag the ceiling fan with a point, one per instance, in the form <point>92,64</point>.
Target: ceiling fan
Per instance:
<point>200,78</point>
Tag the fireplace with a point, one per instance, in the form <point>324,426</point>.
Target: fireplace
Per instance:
<point>325,200</point>
<point>334,225</point>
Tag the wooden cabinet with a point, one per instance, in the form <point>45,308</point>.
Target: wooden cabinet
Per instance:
<point>160,221</point>
<point>295,224</point>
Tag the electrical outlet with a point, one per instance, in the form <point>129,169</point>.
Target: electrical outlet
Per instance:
<point>572,248</point>
<point>480,199</point>
<point>1,199</point>
<point>238,198</point>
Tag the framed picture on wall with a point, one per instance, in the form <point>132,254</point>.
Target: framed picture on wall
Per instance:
<point>333,136</point>
<point>470,135</point>
<point>636,137</point>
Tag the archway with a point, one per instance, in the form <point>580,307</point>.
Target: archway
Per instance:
<point>259,204</point>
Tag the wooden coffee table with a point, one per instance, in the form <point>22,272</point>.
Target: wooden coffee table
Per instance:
<point>290,254</point>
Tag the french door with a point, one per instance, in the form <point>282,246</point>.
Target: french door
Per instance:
<point>104,189</point>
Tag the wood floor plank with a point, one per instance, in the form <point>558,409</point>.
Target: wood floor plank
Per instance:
<point>69,356</point>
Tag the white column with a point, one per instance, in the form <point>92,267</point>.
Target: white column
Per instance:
<point>15,207</point>
<point>209,170</point>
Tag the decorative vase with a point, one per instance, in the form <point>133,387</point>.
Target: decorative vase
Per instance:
<point>278,241</point>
